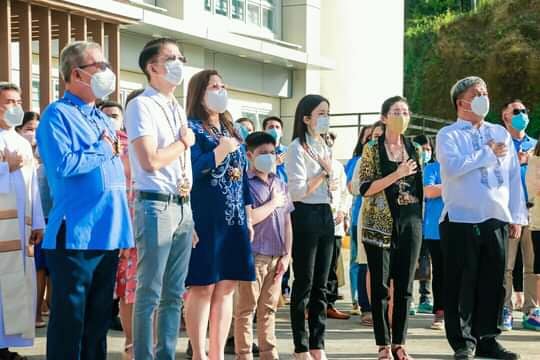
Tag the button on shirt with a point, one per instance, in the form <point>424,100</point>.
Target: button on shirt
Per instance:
<point>301,167</point>
<point>86,180</point>
<point>153,114</point>
<point>477,185</point>
<point>269,237</point>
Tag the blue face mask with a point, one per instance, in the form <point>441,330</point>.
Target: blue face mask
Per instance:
<point>276,134</point>
<point>241,130</point>
<point>426,156</point>
<point>520,121</point>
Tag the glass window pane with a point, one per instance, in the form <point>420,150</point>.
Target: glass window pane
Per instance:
<point>208,5</point>
<point>238,9</point>
<point>253,14</point>
<point>268,18</point>
<point>222,7</point>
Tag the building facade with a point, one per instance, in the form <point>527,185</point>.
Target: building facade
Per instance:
<point>269,52</point>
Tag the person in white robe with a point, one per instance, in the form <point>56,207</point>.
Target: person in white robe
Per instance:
<point>21,226</point>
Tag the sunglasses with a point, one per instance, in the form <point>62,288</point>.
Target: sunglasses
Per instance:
<point>101,65</point>
<point>518,111</point>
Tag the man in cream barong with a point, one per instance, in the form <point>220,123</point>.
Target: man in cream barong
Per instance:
<point>21,226</point>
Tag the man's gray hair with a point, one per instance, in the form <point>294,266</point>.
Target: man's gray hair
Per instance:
<point>5,85</point>
<point>73,56</point>
<point>463,85</point>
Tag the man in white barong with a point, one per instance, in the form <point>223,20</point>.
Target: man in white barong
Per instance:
<point>21,226</point>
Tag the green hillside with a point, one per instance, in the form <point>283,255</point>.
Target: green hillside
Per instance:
<point>500,42</point>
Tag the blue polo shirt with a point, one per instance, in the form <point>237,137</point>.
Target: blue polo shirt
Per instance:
<point>434,206</point>
<point>357,201</point>
<point>280,169</point>
<point>86,180</point>
<point>525,144</point>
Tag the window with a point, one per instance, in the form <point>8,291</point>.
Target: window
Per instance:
<point>238,9</point>
<point>261,13</point>
<point>253,14</point>
<point>222,7</point>
<point>268,18</point>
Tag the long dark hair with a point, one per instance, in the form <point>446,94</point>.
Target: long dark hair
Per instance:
<point>304,108</point>
<point>195,108</point>
<point>537,148</point>
<point>359,148</point>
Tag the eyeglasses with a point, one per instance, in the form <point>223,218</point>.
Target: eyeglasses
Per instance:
<point>101,65</point>
<point>517,111</point>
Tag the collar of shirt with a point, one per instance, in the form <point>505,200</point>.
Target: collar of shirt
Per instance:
<point>253,175</point>
<point>86,108</point>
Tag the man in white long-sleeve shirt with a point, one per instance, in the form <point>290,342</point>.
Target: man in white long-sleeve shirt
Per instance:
<point>483,203</point>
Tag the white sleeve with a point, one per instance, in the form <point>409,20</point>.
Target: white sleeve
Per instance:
<point>296,172</point>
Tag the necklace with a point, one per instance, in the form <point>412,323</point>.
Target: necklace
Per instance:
<point>183,185</point>
<point>234,172</point>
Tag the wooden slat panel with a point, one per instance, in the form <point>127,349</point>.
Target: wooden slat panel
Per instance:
<point>25,52</point>
<point>113,34</point>
<point>5,40</point>
<point>45,62</point>
<point>64,22</point>
<point>10,245</point>
<point>80,28</point>
<point>98,32</point>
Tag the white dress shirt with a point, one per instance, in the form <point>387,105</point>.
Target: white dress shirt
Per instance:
<point>153,114</point>
<point>477,185</point>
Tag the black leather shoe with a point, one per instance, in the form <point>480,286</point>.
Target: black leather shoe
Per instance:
<point>464,354</point>
<point>229,346</point>
<point>494,350</point>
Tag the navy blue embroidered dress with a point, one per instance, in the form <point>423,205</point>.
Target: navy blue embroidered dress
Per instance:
<point>218,202</point>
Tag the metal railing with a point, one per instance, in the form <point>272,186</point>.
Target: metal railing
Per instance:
<point>420,123</point>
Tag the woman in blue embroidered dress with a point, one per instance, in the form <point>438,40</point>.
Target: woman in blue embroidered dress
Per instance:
<point>221,207</point>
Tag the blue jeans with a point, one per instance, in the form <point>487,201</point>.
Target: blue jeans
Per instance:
<point>353,265</point>
<point>163,234</point>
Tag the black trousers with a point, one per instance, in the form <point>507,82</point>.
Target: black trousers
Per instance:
<point>81,305</point>
<point>398,264</point>
<point>474,258</point>
<point>536,246</point>
<point>437,273</point>
<point>313,232</point>
<point>332,287</point>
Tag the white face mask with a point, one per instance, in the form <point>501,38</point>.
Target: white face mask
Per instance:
<point>30,136</point>
<point>323,124</point>
<point>265,163</point>
<point>175,72</point>
<point>14,116</point>
<point>217,100</point>
<point>480,105</point>
<point>102,83</point>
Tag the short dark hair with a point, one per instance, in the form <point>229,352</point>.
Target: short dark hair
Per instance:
<point>245,119</point>
<point>28,116</point>
<point>151,50</point>
<point>258,138</point>
<point>110,103</point>
<point>511,101</point>
<point>5,85</point>
<point>304,108</point>
<point>387,104</point>
<point>271,118</point>
<point>421,140</point>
